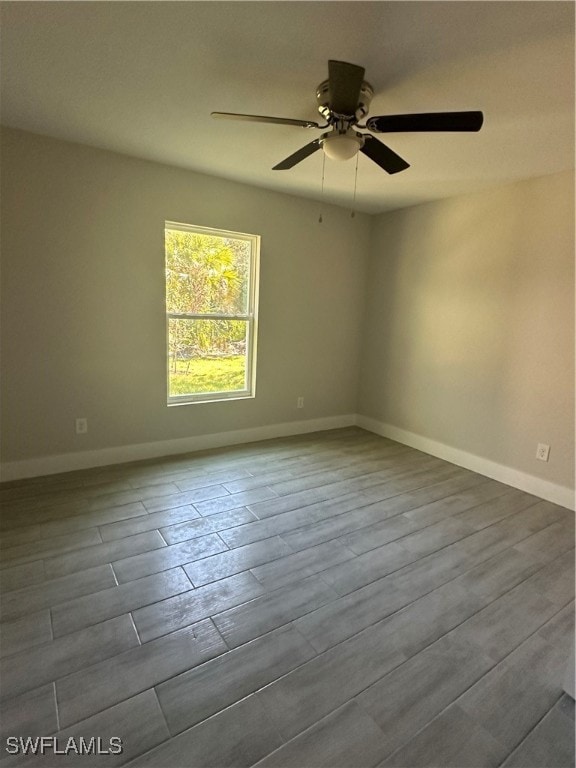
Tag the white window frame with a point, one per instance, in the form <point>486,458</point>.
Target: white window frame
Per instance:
<point>251,318</point>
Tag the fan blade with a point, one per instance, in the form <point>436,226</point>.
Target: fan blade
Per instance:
<point>383,155</point>
<point>299,155</point>
<point>427,121</point>
<point>345,82</point>
<point>264,119</point>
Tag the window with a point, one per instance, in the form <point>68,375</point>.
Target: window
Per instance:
<point>211,305</point>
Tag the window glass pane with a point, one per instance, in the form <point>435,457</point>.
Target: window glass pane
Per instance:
<point>206,273</point>
<point>206,356</point>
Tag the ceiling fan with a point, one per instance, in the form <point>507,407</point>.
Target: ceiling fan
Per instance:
<point>343,100</point>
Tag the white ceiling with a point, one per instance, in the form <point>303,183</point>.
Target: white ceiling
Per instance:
<point>142,78</point>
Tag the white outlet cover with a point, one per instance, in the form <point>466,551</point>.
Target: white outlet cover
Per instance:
<point>543,452</point>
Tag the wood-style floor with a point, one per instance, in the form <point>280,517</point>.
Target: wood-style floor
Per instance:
<point>334,600</point>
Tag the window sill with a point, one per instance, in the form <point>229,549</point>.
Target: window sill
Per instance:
<point>220,397</point>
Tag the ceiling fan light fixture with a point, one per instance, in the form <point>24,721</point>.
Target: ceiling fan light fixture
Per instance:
<point>343,100</point>
<point>342,146</point>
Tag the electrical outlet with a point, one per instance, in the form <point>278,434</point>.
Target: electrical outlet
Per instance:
<point>542,452</point>
<point>81,426</point>
<point>300,402</point>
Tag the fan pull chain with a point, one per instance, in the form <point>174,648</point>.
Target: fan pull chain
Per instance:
<point>322,188</point>
<point>355,184</point>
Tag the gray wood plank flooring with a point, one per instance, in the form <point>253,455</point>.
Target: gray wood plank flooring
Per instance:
<point>332,600</point>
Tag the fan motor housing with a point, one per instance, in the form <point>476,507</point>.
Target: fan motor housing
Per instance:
<point>364,100</point>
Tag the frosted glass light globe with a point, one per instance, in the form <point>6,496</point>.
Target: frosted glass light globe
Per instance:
<point>341,146</point>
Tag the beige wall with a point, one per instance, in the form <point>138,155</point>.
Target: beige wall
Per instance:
<point>83,326</point>
<point>452,320</point>
<point>469,328</point>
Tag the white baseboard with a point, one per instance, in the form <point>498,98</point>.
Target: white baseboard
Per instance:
<point>544,489</point>
<point>67,462</point>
